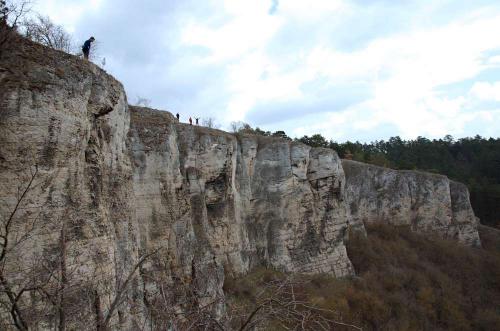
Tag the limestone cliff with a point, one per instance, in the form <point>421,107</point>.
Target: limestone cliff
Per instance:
<point>114,182</point>
<point>223,203</point>
<point>426,202</point>
<point>64,124</point>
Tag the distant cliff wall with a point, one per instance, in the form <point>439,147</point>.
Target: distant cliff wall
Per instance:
<point>426,202</point>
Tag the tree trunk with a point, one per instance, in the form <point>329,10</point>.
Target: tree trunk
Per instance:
<point>99,320</point>
<point>64,280</point>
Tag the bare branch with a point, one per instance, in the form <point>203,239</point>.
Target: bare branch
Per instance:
<point>42,30</point>
<point>121,289</point>
<point>210,122</point>
<point>143,102</point>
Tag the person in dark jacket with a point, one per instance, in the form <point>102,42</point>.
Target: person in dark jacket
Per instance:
<point>86,48</point>
<point>177,115</point>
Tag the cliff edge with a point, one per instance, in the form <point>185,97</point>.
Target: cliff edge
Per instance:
<point>111,183</point>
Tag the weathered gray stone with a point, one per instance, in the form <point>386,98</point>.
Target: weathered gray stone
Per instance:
<point>69,119</point>
<point>426,202</point>
<point>235,202</point>
<point>129,180</point>
<point>464,224</point>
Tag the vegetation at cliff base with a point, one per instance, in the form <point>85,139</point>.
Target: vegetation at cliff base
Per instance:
<point>405,281</point>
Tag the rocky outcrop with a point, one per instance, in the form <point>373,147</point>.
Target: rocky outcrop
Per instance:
<point>426,202</point>
<point>223,203</point>
<point>113,183</point>
<point>249,200</point>
<point>64,123</point>
<point>464,224</point>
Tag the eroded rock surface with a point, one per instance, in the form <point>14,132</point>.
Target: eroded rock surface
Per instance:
<point>64,123</point>
<point>221,202</point>
<point>118,182</point>
<point>426,202</point>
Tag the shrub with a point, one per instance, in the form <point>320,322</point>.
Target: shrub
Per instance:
<point>405,281</point>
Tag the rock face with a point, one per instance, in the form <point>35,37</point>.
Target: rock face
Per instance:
<point>225,203</point>
<point>64,123</point>
<point>464,224</point>
<point>113,182</point>
<point>426,202</point>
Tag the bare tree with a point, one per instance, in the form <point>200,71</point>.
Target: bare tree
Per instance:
<point>179,305</point>
<point>11,12</point>
<point>54,288</point>
<point>143,102</point>
<point>14,11</point>
<point>278,303</point>
<point>103,320</point>
<point>15,230</point>
<point>210,122</point>
<point>46,289</point>
<point>6,245</point>
<point>42,30</point>
<point>236,126</point>
<point>177,301</point>
<point>4,10</point>
<point>240,126</point>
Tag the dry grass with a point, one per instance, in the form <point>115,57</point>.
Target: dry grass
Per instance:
<point>405,281</point>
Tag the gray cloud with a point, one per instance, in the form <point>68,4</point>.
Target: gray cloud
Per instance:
<point>320,97</point>
<point>142,43</point>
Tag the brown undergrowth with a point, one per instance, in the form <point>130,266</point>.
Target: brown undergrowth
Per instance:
<point>404,281</point>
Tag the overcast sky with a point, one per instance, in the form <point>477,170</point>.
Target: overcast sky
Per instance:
<point>348,69</point>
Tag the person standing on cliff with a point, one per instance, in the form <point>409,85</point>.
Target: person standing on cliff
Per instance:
<point>86,47</point>
<point>177,115</point>
<point>190,121</point>
<point>197,118</point>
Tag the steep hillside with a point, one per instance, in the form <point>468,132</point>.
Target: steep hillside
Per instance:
<point>405,281</point>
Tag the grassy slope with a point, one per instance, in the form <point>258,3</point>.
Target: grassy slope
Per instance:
<point>405,281</point>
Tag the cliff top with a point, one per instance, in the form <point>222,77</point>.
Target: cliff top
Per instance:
<point>20,55</point>
<point>154,123</point>
<point>351,165</point>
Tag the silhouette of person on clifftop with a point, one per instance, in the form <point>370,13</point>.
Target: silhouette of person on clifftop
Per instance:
<point>86,47</point>
<point>177,115</point>
<point>190,121</point>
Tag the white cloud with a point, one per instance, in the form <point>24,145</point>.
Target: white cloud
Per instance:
<point>486,91</point>
<point>406,70</point>
<point>248,27</point>
<point>494,60</point>
<point>354,68</point>
<point>67,13</point>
